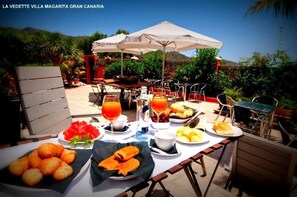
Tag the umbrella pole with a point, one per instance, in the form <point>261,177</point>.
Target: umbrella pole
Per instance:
<point>163,65</point>
<point>122,62</point>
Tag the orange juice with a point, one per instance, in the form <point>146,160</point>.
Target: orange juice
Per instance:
<point>111,110</point>
<point>159,104</point>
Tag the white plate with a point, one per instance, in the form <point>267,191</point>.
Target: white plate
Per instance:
<point>179,120</point>
<point>237,131</point>
<point>123,178</point>
<point>161,125</point>
<point>61,136</point>
<point>118,132</point>
<point>204,140</point>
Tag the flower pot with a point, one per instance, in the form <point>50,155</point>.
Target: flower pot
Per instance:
<point>284,113</point>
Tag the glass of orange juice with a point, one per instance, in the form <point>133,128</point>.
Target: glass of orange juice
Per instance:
<point>159,104</point>
<point>111,110</point>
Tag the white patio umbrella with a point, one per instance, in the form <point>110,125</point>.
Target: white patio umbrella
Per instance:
<point>167,36</point>
<point>111,44</point>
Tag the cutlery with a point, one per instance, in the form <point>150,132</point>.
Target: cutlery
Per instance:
<point>194,120</point>
<point>158,150</point>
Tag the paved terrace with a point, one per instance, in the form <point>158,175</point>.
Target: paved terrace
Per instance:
<point>81,100</point>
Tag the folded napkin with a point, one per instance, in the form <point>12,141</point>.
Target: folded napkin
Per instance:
<point>48,182</point>
<point>173,150</point>
<point>102,150</point>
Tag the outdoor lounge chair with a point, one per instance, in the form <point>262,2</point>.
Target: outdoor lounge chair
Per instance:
<point>261,167</point>
<point>43,100</point>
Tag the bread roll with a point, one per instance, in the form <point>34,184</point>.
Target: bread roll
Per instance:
<point>60,149</point>
<point>126,153</point>
<point>63,172</point>
<point>19,166</point>
<point>47,150</point>
<point>177,108</point>
<point>50,165</point>
<point>68,155</point>
<point>34,159</point>
<point>32,176</point>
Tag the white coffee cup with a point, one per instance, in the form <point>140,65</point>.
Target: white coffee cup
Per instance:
<point>165,140</point>
<point>120,122</point>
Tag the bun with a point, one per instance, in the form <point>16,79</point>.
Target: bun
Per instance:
<point>50,165</point>
<point>34,159</point>
<point>60,149</point>
<point>47,150</point>
<point>177,108</point>
<point>63,172</point>
<point>19,166</point>
<point>32,176</point>
<point>68,156</point>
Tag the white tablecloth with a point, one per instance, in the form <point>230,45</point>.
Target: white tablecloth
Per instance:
<point>82,185</point>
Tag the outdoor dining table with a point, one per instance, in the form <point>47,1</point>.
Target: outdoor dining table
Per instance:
<point>266,112</point>
<point>82,186</point>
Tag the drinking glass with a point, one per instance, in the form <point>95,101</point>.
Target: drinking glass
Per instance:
<point>111,110</point>
<point>159,104</point>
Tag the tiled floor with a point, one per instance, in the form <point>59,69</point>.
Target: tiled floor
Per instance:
<point>81,102</point>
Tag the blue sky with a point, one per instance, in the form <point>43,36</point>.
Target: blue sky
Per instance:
<point>222,20</point>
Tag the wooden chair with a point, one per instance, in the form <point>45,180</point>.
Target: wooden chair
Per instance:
<point>43,99</point>
<point>262,167</point>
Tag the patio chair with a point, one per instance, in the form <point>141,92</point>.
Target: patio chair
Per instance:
<point>43,100</point>
<point>226,104</point>
<point>242,116</point>
<point>99,91</point>
<point>198,91</point>
<point>176,91</point>
<point>288,131</point>
<point>261,167</point>
<point>268,100</point>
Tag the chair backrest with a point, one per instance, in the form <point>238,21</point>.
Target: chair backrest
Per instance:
<point>225,100</point>
<point>43,99</point>
<point>269,100</point>
<point>262,167</point>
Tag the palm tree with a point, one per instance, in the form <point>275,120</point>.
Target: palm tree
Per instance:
<point>286,8</point>
<point>54,47</point>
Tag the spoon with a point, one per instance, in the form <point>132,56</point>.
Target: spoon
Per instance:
<point>194,123</point>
